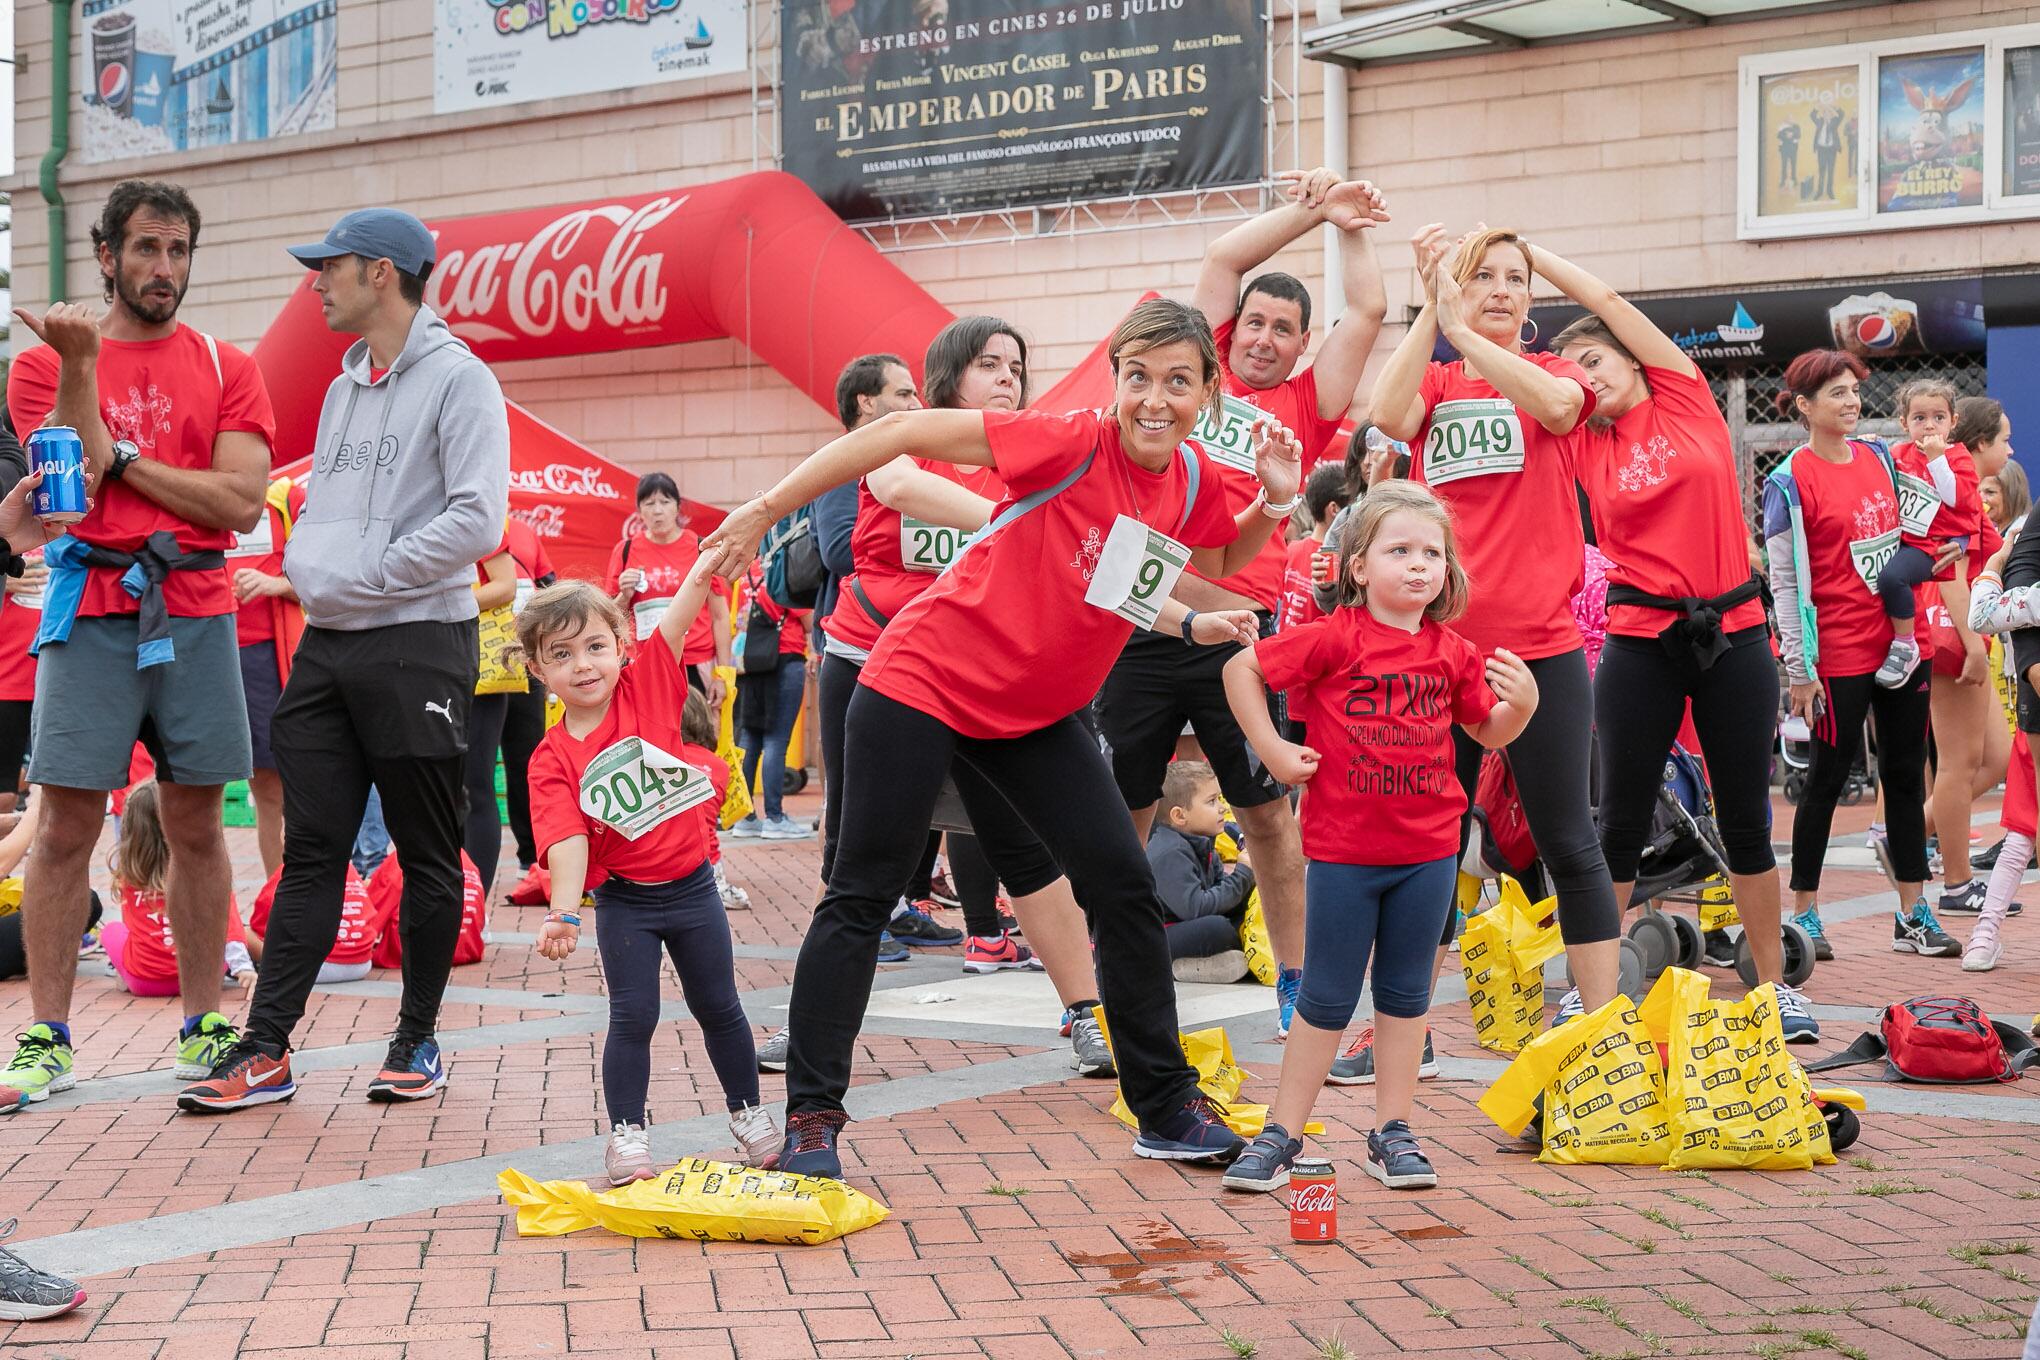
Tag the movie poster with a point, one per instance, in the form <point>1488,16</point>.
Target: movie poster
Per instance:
<point>1808,128</point>
<point>902,108</point>
<point>2022,121</point>
<point>1930,130</point>
<point>163,76</point>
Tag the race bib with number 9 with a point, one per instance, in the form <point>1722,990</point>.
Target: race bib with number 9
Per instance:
<point>1230,439</point>
<point>1870,555</point>
<point>928,547</point>
<point>1136,571</point>
<point>633,786</point>
<point>1918,502</point>
<point>1473,437</point>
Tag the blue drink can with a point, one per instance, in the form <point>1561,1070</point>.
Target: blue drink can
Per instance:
<point>59,455</point>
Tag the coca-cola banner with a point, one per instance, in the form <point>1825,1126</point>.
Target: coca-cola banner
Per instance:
<point>905,108</point>
<point>487,53</point>
<point>162,76</point>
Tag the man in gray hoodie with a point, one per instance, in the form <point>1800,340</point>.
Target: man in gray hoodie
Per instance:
<point>408,491</point>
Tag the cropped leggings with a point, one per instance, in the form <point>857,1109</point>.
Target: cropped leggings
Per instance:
<point>1640,696</point>
<point>1391,912</point>
<point>1552,762</point>
<point>1901,717</point>
<point>637,925</point>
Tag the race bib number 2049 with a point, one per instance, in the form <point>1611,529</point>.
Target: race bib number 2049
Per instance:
<point>633,786</point>
<point>1473,437</point>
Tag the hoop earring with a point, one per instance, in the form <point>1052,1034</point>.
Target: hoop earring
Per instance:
<point>1531,339</point>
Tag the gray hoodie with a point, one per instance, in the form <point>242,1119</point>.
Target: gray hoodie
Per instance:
<point>409,488</point>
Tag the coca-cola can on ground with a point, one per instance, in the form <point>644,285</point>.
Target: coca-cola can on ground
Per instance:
<point>1313,1201</point>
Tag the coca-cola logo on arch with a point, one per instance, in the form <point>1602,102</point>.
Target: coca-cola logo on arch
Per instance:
<point>563,479</point>
<point>588,265</point>
<point>547,521</point>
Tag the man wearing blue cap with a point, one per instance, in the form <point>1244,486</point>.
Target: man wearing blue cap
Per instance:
<point>408,490</point>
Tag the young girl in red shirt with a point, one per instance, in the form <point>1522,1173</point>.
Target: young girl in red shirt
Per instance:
<point>1381,684</point>
<point>617,806</point>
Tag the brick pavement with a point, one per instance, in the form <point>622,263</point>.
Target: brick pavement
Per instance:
<point>1021,1225</point>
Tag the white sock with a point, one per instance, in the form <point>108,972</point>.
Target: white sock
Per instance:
<point>2004,879</point>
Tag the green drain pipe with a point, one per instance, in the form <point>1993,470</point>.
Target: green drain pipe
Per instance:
<point>60,145</point>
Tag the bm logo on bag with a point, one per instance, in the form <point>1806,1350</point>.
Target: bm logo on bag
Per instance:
<point>1588,1107</point>
<point>1711,1047</point>
<point>1623,1073</point>
<point>1639,1102</point>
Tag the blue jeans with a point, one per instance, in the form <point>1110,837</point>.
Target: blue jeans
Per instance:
<point>766,744</point>
<point>372,841</point>
<point>1396,912</point>
<point>636,926</point>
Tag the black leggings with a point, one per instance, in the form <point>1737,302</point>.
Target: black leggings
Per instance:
<point>1552,762</point>
<point>15,717</point>
<point>1901,718</point>
<point>523,727</point>
<point>1908,569</point>
<point>975,867</point>
<point>482,837</point>
<point>1640,695</point>
<point>1057,783</point>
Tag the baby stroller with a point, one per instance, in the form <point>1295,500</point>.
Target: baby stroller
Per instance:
<point>1684,862</point>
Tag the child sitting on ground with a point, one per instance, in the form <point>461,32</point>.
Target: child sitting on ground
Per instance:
<point>617,805</point>
<point>1205,898</point>
<point>139,945</point>
<point>361,922</point>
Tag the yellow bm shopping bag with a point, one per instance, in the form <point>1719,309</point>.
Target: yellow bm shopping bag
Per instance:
<point>699,1200</point>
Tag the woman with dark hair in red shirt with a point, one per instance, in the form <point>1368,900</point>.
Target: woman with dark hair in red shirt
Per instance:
<point>1685,619</point>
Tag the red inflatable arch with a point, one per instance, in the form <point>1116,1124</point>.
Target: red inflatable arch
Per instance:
<point>758,259</point>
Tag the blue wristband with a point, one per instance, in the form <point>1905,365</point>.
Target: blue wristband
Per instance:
<point>569,917</point>
<point>1188,618</point>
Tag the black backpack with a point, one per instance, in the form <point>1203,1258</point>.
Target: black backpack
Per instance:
<point>793,562</point>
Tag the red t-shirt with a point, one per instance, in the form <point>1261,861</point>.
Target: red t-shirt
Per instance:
<point>1380,705</point>
<point>1299,604</point>
<point>701,758</point>
<point>665,566</point>
<point>1294,402</point>
<point>1667,508</point>
<point>386,899</point>
<point>1963,520</point>
<point>647,704</point>
<point>879,545</point>
<point>1845,503</point>
<point>361,921</point>
<point>1509,484</point>
<point>20,616</point>
<point>163,395</point>
<point>151,947</point>
<point>262,550</point>
<point>1003,643</point>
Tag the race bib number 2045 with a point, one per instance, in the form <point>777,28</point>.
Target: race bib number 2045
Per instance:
<point>633,786</point>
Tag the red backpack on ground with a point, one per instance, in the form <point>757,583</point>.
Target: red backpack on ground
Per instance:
<point>1946,1040</point>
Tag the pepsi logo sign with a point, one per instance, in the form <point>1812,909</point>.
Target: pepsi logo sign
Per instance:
<point>1876,331</point>
<point>114,79</point>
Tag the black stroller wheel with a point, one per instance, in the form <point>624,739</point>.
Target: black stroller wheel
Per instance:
<point>1795,786</point>
<point>1632,975</point>
<point>1656,940</point>
<point>1692,945</point>
<point>1798,947</point>
<point>1844,1127</point>
<point>794,780</point>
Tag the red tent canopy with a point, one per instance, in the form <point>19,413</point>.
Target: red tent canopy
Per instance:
<point>578,501</point>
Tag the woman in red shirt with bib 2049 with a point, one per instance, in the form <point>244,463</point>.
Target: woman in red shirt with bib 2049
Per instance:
<point>990,665</point>
<point>1831,522</point>
<point>1488,434</point>
<point>1686,619</point>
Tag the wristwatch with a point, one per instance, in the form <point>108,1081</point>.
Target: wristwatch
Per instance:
<point>124,453</point>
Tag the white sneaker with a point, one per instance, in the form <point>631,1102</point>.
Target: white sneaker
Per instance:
<point>748,829</point>
<point>629,1154</point>
<point>1984,949</point>
<point>1570,1007</point>
<point>1228,965</point>
<point>1899,663</point>
<point>753,1129</point>
<point>733,897</point>
<point>784,828</point>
